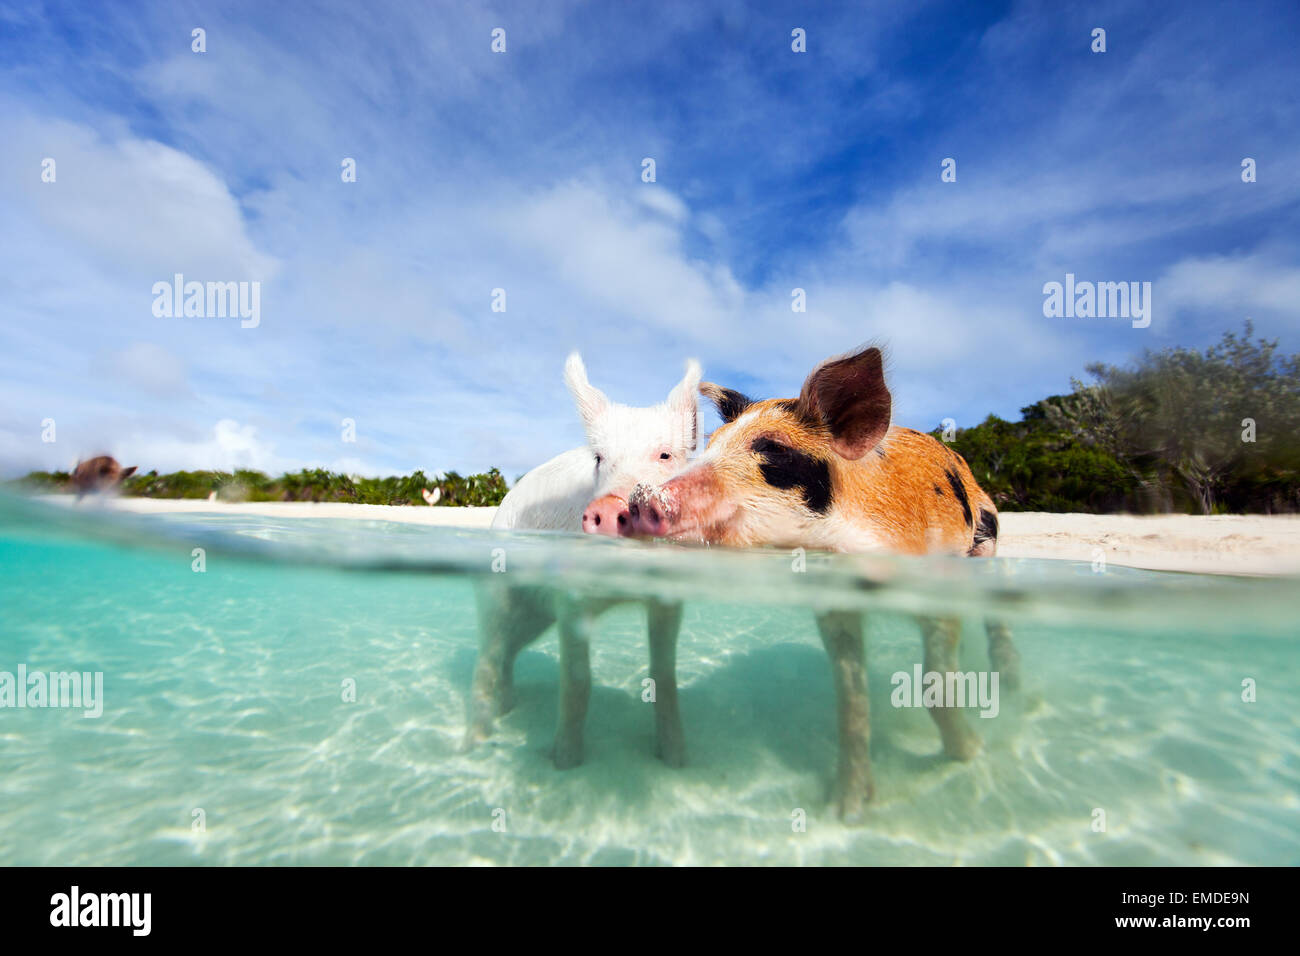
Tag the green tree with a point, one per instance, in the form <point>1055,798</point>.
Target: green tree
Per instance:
<point>1183,414</point>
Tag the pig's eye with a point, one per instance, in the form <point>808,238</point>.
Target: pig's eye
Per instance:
<point>768,446</point>
<point>598,461</point>
<point>664,456</point>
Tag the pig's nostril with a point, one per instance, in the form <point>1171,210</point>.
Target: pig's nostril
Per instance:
<point>622,520</point>
<point>596,520</point>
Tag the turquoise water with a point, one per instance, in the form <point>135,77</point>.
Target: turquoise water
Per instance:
<point>223,692</point>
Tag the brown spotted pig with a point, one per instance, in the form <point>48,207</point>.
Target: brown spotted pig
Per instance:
<point>827,470</point>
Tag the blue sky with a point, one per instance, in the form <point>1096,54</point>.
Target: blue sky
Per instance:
<point>479,170</point>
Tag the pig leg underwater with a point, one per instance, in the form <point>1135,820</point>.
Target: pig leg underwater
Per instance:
<point>664,622</point>
<point>942,637</point>
<point>511,618</point>
<point>1003,656</point>
<point>841,632</point>
<point>576,622</point>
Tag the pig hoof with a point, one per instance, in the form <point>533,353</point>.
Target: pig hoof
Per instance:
<point>1008,668</point>
<point>672,753</point>
<point>473,737</point>
<point>567,754</point>
<point>852,814</point>
<point>962,746</point>
<point>851,801</point>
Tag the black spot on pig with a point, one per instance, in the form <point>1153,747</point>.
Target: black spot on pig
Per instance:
<point>938,491</point>
<point>959,490</point>
<point>985,531</point>
<point>729,403</point>
<point>784,467</point>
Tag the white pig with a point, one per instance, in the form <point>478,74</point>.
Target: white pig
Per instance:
<point>585,489</point>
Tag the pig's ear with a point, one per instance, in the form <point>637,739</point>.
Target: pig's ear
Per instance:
<point>591,400</point>
<point>128,472</point>
<point>729,403</point>
<point>850,397</point>
<point>682,402</point>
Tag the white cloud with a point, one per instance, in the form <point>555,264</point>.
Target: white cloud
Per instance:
<point>662,201</point>
<point>229,446</point>
<point>602,250</point>
<point>1235,285</point>
<point>136,207</point>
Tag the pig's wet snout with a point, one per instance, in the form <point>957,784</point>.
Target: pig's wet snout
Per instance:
<point>607,515</point>
<point>648,512</point>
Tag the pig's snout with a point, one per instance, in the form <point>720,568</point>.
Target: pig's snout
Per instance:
<point>607,515</point>
<point>648,510</point>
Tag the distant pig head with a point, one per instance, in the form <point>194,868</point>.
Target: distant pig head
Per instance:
<point>768,473</point>
<point>99,474</point>
<point>631,445</point>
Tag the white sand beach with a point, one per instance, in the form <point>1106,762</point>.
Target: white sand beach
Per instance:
<point>407,514</point>
<point>1217,544</point>
<point>1220,544</point>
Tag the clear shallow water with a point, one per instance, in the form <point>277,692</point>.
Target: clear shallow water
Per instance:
<point>223,691</point>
